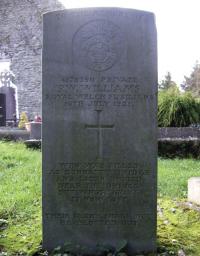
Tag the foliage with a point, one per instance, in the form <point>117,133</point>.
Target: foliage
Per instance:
<point>167,82</point>
<point>176,109</point>
<point>192,83</point>
<point>173,148</point>
<point>37,119</point>
<point>23,120</point>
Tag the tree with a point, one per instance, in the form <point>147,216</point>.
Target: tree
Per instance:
<point>167,82</point>
<point>192,83</point>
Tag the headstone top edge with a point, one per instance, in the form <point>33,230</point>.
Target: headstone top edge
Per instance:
<point>194,179</point>
<point>92,9</point>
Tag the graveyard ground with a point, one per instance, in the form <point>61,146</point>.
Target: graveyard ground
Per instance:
<point>20,203</point>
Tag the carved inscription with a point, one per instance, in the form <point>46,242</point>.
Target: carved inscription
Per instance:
<point>101,182</point>
<point>109,184</point>
<point>107,219</point>
<point>114,13</point>
<point>92,92</point>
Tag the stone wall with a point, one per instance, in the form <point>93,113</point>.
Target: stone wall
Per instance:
<point>21,43</point>
<point>178,132</point>
<point>179,142</point>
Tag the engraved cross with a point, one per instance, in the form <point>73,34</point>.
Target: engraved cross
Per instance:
<point>99,128</point>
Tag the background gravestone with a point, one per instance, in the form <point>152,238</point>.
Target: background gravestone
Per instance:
<point>7,88</point>
<point>99,129</point>
<point>2,109</point>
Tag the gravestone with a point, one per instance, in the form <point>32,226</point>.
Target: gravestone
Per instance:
<point>194,190</point>
<point>99,129</point>
<point>2,109</point>
<point>35,130</point>
<point>7,88</point>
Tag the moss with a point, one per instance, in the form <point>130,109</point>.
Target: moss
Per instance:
<point>178,228</point>
<point>22,237</point>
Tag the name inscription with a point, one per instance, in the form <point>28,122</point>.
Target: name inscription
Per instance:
<point>91,92</point>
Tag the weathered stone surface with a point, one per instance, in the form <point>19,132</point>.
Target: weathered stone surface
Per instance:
<point>2,109</point>
<point>21,44</point>
<point>7,133</point>
<point>10,105</point>
<point>99,129</point>
<point>35,130</point>
<point>34,144</point>
<point>194,190</point>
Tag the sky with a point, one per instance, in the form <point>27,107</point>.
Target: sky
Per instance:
<point>178,27</point>
<point>4,65</point>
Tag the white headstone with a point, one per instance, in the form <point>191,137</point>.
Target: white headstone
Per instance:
<point>194,190</point>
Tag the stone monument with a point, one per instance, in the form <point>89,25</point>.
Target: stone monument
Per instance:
<point>99,129</point>
<point>194,190</point>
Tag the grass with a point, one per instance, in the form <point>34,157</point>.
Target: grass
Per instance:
<point>20,203</point>
<point>20,198</point>
<point>173,176</point>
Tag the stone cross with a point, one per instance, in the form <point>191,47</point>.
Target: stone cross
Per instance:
<point>99,128</point>
<point>5,78</point>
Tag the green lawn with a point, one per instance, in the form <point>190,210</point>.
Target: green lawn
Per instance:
<point>173,176</point>
<point>20,198</point>
<point>20,203</point>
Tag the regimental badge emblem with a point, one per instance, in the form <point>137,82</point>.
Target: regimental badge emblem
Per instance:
<point>98,45</point>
